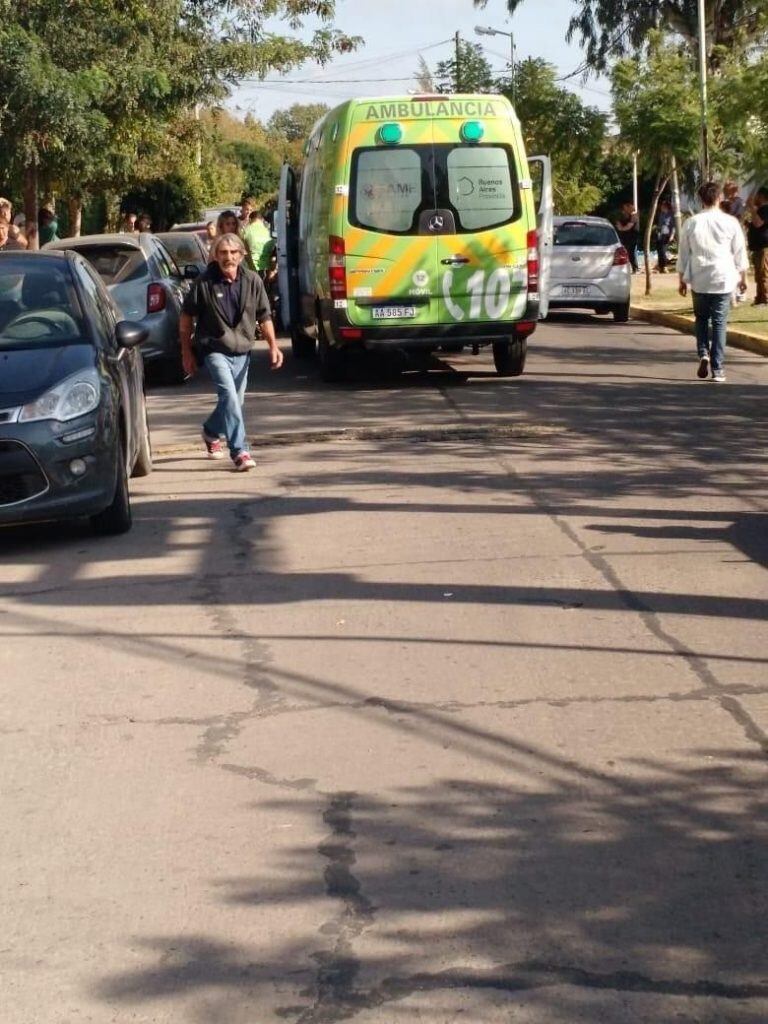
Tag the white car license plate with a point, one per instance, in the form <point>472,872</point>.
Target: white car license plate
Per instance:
<point>393,312</point>
<point>576,293</point>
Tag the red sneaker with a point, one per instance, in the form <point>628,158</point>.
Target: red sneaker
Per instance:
<point>243,462</point>
<point>213,446</point>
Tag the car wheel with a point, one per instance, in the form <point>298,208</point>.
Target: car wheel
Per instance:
<point>302,346</point>
<point>509,357</point>
<point>333,365</point>
<point>621,313</point>
<point>143,466</point>
<point>116,517</point>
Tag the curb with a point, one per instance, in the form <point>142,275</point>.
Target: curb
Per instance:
<point>678,322</point>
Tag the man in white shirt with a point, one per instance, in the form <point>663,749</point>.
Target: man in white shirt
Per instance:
<point>713,261</point>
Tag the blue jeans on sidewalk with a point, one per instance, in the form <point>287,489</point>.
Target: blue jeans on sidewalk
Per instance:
<point>711,309</point>
<point>230,375</point>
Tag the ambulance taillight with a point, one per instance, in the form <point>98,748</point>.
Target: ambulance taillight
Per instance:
<point>532,244</point>
<point>337,268</point>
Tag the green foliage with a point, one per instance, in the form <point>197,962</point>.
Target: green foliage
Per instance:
<point>616,28</point>
<point>556,122</point>
<point>656,104</point>
<point>261,168</point>
<point>740,95</point>
<point>93,103</point>
<point>472,74</point>
<point>168,201</point>
<point>296,123</point>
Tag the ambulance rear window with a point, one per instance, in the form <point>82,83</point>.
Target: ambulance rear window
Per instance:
<point>480,184</point>
<point>387,189</point>
<point>393,191</point>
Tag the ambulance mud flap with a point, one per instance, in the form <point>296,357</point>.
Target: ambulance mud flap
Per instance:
<point>286,225</point>
<point>541,178</point>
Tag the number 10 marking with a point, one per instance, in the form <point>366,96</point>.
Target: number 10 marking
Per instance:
<point>493,293</point>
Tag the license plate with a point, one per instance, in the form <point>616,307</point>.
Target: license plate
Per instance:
<point>392,312</point>
<point>576,293</point>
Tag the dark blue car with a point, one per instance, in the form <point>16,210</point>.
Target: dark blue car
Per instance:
<point>73,419</point>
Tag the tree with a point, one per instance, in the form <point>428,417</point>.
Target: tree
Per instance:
<point>657,109</point>
<point>615,28</point>
<point>88,113</point>
<point>472,73</point>
<point>261,168</point>
<point>296,123</point>
<point>556,122</point>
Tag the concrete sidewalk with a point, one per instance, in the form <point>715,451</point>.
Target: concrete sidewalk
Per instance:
<point>680,322</point>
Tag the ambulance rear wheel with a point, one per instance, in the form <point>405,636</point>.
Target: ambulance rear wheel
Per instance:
<point>302,346</point>
<point>333,364</point>
<point>509,357</point>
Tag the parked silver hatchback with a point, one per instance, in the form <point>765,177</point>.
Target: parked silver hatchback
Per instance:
<point>145,282</point>
<point>590,267</point>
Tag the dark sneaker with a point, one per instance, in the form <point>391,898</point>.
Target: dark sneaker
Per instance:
<point>718,376</point>
<point>243,462</point>
<point>703,371</point>
<point>213,446</point>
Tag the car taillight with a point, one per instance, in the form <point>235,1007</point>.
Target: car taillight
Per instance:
<point>532,243</point>
<point>337,268</point>
<point>620,257</point>
<point>156,298</point>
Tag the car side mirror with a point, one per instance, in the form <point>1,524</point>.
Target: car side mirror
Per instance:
<point>191,271</point>
<point>129,334</point>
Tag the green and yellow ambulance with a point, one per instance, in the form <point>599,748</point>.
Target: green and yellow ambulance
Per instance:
<point>418,223</point>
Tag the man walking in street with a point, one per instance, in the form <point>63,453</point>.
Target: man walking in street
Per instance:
<point>713,261</point>
<point>229,304</point>
<point>757,239</point>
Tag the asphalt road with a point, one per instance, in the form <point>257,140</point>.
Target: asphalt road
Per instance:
<point>455,710</point>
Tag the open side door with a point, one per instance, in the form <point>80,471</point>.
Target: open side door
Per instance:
<point>286,230</point>
<point>541,176</point>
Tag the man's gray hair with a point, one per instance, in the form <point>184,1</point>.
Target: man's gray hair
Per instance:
<point>231,239</point>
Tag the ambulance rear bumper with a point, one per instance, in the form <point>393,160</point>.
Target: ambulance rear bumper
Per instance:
<point>341,333</point>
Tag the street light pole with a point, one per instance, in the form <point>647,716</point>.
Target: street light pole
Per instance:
<point>703,88</point>
<point>481,30</point>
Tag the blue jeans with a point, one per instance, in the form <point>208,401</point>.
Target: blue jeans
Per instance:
<point>711,309</point>
<point>230,375</point>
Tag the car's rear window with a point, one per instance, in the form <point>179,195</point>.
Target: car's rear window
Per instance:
<point>580,233</point>
<point>391,189</point>
<point>38,305</point>
<point>115,263</point>
<point>184,250</point>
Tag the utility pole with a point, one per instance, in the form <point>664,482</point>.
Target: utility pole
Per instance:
<point>458,62</point>
<point>484,31</point>
<point>703,88</point>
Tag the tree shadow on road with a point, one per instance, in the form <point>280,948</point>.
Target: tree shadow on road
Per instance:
<point>572,894</point>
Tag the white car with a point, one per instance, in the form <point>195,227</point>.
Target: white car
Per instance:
<point>590,267</point>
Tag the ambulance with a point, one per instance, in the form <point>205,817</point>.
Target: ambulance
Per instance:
<point>419,224</point>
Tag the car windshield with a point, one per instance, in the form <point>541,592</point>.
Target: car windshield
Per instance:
<point>115,263</point>
<point>38,304</point>
<point>581,233</point>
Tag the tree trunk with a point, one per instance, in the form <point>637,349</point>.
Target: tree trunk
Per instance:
<point>75,211</point>
<point>659,185</point>
<point>676,203</point>
<point>30,205</point>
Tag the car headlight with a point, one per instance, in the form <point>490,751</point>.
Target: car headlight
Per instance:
<point>72,397</point>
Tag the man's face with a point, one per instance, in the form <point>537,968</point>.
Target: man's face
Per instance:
<point>229,256</point>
